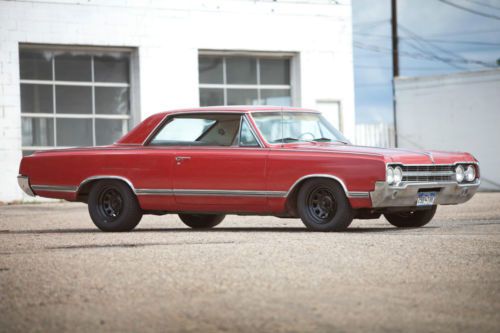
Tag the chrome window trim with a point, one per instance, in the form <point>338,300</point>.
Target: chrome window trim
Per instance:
<point>162,123</point>
<point>252,129</point>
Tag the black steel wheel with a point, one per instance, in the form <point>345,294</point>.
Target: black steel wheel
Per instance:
<point>323,206</point>
<point>201,221</point>
<point>113,206</point>
<point>411,219</point>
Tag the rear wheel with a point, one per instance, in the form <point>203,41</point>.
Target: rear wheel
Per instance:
<point>201,221</point>
<point>113,206</point>
<point>323,206</point>
<point>411,219</point>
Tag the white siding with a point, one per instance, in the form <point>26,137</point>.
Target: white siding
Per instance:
<point>457,112</point>
<point>168,35</point>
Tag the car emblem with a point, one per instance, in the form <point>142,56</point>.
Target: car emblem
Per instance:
<point>431,157</point>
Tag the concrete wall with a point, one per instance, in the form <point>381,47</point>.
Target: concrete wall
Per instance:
<point>457,112</point>
<point>168,36</point>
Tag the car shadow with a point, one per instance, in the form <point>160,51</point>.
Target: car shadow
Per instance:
<point>352,230</point>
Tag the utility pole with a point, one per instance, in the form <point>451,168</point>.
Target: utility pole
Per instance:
<point>395,63</point>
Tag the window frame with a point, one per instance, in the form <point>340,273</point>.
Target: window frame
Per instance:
<point>236,141</point>
<point>293,86</point>
<point>128,120</point>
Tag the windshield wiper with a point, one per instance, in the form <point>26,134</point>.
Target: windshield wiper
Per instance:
<point>322,140</point>
<point>289,139</point>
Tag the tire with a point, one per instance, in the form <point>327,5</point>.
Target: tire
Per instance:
<point>201,221</point>
<point>113,206</point>
<point>412,219</point>
<point>323,206</point>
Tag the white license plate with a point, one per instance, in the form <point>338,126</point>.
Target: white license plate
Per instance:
<point>426,198</point>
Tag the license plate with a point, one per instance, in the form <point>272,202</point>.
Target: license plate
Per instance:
<point>426,198</point>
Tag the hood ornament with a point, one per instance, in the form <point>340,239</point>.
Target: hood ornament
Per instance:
<point>430,156</point>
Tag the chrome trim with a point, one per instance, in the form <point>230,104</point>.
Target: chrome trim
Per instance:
<point>153,191</point>
<point>245,118</point>
<point>24,184</point>
<point>349,194</point>
<point>197,192</point>
<point>54,188</point>
<point>427,173</point>
<point>89,179</point>
<point>153,131</point>
<point>450,193</point>
<point>432,164</point>
<point>358,195</point>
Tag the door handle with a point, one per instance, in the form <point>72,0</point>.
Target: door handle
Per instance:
<point>179,159</point>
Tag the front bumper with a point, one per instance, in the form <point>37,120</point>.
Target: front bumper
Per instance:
<point>405,195</point>
<point>24,184</point>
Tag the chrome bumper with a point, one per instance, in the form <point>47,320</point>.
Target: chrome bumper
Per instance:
<point>24,184</point>
<point>405,195</point>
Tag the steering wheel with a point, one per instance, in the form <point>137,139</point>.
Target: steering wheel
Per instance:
<point>303,136</point>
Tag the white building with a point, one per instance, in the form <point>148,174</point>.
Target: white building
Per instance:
<point>84,72</point>
<point>458,112</point>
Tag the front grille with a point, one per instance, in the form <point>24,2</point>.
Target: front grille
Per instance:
<point>428,173</point>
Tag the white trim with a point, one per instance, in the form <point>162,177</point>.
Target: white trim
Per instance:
<point>75,116</point>
<point>76,83</point>
<point>92,52</point>
<point>44,147</point>
<point>257,56</point>
<point>246,53</point>
<point>245,86</point>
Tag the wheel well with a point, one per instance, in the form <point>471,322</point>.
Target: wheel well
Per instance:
<point>84,189</point>
<point>291,200</point>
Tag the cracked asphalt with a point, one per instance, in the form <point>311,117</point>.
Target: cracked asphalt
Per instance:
<point>249,274</point>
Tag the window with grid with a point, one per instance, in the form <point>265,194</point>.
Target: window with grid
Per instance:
<point>244,80</point>
<point>73,97</point>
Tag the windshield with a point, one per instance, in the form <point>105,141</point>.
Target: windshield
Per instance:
<point>285,127</point>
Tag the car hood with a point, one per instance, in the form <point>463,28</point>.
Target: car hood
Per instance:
<point>401,155</point>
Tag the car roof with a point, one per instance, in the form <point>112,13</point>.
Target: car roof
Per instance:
<point>139,133</point>
<point>240,108</point>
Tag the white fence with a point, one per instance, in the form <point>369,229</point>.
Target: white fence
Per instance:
<point>374,135</point>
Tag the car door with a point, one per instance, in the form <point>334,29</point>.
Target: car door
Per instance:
<point>230,178</point>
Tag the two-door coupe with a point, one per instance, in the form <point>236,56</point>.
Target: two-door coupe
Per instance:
<point>207,162</point>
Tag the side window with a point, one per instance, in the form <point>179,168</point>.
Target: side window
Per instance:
<point>247,139</point>
<point>183,130</point>
<point>199,130</point>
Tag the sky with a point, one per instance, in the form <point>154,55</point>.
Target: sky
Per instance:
<point>436,37</point>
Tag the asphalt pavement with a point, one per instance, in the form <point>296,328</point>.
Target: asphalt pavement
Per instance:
<point>249,274</point>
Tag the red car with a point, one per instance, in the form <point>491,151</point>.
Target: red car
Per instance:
<point>208,162</point>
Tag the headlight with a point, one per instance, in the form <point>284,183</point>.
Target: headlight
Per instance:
<point>470,173</point>
<point>389,175</point>
<point>398,175</point>
<point>459,173</point>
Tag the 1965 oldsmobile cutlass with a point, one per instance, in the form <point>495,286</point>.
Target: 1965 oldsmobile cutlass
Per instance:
<point>207,162</point>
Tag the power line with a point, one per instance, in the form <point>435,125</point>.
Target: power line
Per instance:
<point>419,56</point>
<point>483,4</point>
<point>444,41</point>
<point>426,44</point>
<point>470,10</point>
<point>466,32</point>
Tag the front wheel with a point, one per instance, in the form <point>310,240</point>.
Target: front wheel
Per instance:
<point>323,206</point>
<point>201,221</point>
<point>411,219</point>
<point>113,206</point>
